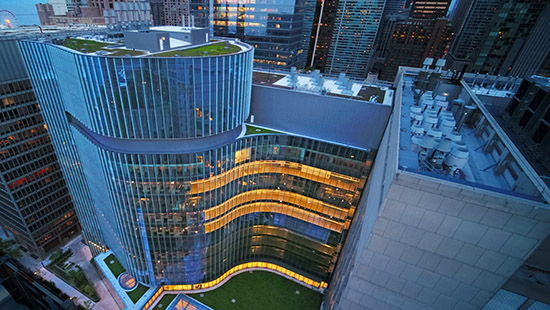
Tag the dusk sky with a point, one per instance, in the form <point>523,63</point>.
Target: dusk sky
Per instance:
<point>24,10</point>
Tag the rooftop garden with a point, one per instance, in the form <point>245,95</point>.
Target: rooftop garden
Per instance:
<point>165,301</point>
<point>219,48</point>
<point>136,294</point>
<point>90,46</point>
<point>117,269</point>
<point>253,130</point>
<point>260,290</point>
<point>114,265</point>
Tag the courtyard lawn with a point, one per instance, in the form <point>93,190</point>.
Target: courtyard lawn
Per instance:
<point>115,267</point>
<point>220,48</point>
<point>165,301</point>
<point>253,130</point>
<point>263,291</point>
<point>136,294</point>
<point>89,45</point>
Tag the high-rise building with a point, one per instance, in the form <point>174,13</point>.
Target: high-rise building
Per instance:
<point>279,30</point>
<point>471,34</point>
<point>429,8</point>
<point>35,205</point>
<point>352,42</point>
<point>506,37</point>
<point>321,33</point>
<point>157,12</point>
<point>455,216</point>
<point>170,181</point>
<point>412,41</point>
<point>175,11</point>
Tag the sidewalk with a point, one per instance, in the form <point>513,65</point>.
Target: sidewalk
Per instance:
<point>81,256</point>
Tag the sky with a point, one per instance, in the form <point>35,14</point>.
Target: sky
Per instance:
<point>24,10</point>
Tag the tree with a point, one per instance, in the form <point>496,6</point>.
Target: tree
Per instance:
<point>6,246</point>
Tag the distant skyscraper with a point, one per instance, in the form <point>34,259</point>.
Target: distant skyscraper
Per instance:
<point>505,38</point>
<point>321,33</point>
<point>459,13</point>
<point>352,43</point>
<point>470,36</point>
<point>35,205</point>
<point>175,11</point>
<point>412,41</point>
<point>157,12</point>
<point>280,32</point>
<point>429,8</point>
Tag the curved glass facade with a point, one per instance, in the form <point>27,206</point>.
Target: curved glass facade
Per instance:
<point>179,215</point>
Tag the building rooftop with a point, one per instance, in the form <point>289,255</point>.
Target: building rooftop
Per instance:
<point>103,45</point>
<point>315,82</point>
<point>448,133</point>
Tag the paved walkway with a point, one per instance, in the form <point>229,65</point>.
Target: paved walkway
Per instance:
<point>81,256</point>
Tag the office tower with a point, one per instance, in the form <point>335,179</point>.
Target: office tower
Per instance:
<point>61,7</point>
<point>534,51</point>
<point>459,13</point>
<point>458,212</point>
<point>505,40</point>
<point>20,289</point>
<point>429,8</point>
<point>280,32</point>
<point>321,33</point>
<point>472,33</point>
<point>157,12</point>
<point>35,205</point>
<point>412,41</point>
<point>175,11</point>
<point>169,180</point>
<point>352,43</point>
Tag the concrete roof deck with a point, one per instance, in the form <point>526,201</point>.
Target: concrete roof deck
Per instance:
<point>479,170</point>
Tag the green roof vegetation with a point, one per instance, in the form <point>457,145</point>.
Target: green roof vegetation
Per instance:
<point>136,294</point>
<point>94,46</point>
<point>261,290</point>
<point>114,265</point>
<point>165,301</point>
<point>253,130</point>
<point>124,52</point>
<point>89,45</point>
<point>219,48</point>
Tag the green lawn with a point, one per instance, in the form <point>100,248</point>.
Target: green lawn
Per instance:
<point>136,294</point>
<point>212,49</point>
<point>123,52</point>
<point>94,46</point>
<point>263,291</point>
<point>253,130</point>
<point>89,45</point>
<point>115,267</point>
<point>165,301</point>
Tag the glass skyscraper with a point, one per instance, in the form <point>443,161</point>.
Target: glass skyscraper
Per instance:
<point>352,44</point>
<point>279,30</point>
<point>166,174</point>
